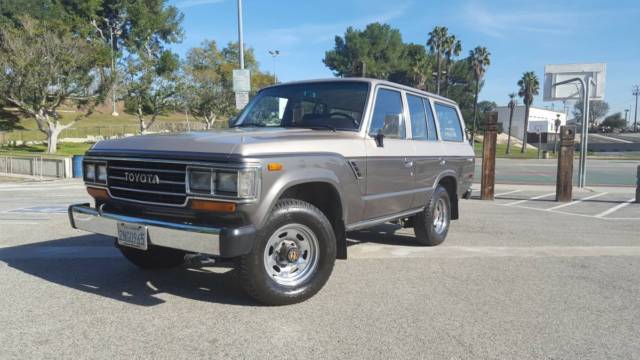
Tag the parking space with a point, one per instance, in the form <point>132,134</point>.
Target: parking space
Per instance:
<point>513,276</point>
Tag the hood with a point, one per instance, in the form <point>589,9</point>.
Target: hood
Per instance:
<point>236,141</point>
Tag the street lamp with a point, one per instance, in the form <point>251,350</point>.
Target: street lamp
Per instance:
<point>274,54</point>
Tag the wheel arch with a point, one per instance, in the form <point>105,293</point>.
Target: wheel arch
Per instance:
<point>449,181</point>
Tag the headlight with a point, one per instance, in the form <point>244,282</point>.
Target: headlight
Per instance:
<point>90,172</point>
<point>101,173</point>
<point>241,184</point>
<point>227,183</point>
<point>201,181</point>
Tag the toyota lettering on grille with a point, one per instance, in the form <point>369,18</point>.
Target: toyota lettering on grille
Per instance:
<point>141,178</point>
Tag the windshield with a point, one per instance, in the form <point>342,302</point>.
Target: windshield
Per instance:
<point>323,105</point>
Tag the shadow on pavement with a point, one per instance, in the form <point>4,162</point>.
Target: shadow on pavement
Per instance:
<point>92,264</point>
<point>382,234</point>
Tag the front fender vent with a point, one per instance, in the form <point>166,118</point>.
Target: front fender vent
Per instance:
<point>356,169</point>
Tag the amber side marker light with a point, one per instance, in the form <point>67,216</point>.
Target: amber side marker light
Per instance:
<point>274,166</point>
<point>98,193</point>
<point>213,206</point>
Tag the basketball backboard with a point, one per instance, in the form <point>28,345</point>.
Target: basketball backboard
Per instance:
<point>554,74</point>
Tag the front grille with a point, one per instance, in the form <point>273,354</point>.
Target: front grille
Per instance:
<point>148,181</point>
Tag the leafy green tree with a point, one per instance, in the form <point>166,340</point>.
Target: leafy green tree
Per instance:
<point>45,67</point>
<point>597,110</point>
<point>415,69</point>
<point>379,47</point>
<point>452,48</point>
<point>479,59</point>
<point>151,82</point>
<point>437,42</point>
<point>512,107</point>
<point>529,87</point>
<point>614,121</point>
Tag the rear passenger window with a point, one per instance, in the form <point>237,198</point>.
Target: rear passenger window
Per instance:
<point>387,115</point>
<point>449,122</point>
<point>422,124</point>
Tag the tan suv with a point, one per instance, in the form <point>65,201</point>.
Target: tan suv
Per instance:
<point>303,163</point>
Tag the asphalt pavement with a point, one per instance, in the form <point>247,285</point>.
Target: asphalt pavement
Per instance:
<point>521,277</point>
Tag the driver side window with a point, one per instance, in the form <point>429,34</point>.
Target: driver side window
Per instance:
<point>388,115</point>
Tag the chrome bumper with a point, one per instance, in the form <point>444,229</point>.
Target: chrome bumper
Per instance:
<point>191,238</point>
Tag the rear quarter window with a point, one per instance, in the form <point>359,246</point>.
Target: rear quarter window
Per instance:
<point>449,121</point>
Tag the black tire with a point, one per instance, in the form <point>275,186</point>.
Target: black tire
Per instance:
<point>423,222</point>
<point>260,284</point>
<point>155,257</point>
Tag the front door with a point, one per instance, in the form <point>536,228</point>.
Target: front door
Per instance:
<point>390,168</point>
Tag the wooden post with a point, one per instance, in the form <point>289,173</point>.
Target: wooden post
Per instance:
<point>488,181</point>
<point>564,179</point>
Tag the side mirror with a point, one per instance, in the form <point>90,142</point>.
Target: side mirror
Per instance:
<point>379,138</point>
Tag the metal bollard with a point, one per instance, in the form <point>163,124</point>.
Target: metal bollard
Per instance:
<point>564,178</point>
<point>488,181</point>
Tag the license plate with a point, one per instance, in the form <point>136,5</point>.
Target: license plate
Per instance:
<point>132,235</point>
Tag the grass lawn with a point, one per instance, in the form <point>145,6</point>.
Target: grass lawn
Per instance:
<point>99,119</point>
<point>64,149</point>
<point>515,152</point>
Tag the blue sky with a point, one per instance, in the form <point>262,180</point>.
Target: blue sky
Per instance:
<point>521,36</point>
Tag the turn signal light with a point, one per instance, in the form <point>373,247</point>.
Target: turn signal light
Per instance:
<point>274,166</point>
<point>98,193</point>
<point>213,206</point>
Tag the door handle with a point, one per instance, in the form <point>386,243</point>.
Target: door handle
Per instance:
<point>408,163</point>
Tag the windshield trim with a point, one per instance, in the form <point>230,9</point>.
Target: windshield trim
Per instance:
<point>365,108</point>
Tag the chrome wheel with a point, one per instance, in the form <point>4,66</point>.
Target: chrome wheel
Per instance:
<point>440,216</point>
<point>291,254</point>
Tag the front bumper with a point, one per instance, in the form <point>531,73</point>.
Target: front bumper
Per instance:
<point>218,241</point>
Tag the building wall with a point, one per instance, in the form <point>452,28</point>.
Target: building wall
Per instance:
<point>539,119</point>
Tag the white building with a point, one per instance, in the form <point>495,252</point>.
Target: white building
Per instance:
<point>540,120</point>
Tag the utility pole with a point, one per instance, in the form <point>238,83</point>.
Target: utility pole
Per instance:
<point>274,54</point>
<point>636,92</point>
<point>240,35</point>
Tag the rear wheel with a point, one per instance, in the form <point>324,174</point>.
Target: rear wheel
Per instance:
<point>432,224</point>
<point>155,257</point>
<point>293,255</point>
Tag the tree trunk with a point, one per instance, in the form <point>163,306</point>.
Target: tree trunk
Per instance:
<point>143,127</point>
<point>447,66</point>
<point>438,71</point>
<point>52,140</point>
<point>510,122</point>
<point>475,115</point>
<point>526,128</point>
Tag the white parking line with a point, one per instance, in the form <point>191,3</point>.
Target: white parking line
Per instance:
<point>508,192</point>
<point>577,201</point>
<point>532,198</point>
<point>615,208</point>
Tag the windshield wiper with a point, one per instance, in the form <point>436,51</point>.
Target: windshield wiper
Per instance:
<point>314,127</point>
<point>249,125</point>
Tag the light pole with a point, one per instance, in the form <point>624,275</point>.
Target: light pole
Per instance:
<point>274,54</point>
<point>636,93</point>
<point>557,123</point>
<point>240,35</point>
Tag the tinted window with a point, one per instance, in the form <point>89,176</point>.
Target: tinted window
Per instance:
<point>422,124</point>
<point>418,118</point>
<point>336,105</point>
<point>449,122</point>
<point>387,115</point>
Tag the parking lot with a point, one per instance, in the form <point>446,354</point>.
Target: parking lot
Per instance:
<point>521,277</point>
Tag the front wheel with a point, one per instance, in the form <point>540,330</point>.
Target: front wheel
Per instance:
<point>293,255</point>
<point>432,224</point>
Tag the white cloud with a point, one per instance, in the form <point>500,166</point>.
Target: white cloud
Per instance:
<point>318,33</point>
<point>191,3</point>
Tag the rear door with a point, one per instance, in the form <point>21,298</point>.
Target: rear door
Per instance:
<point>429,150</point>
<point>390,178</point>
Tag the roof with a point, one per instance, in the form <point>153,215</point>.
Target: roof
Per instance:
<point>371,81</point>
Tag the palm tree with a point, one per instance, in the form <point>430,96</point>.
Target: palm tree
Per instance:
<point>512,106</point>
<point>436,42</point>
<point>479,59</point>
<point>452,48</point>
<point>529,87</point>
